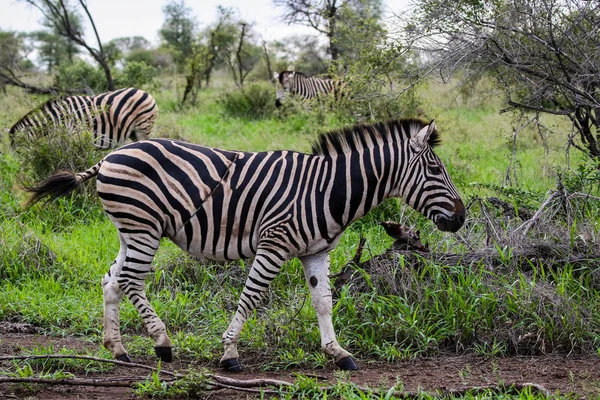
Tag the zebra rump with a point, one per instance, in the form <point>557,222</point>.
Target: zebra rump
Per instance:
<point>113,117</point>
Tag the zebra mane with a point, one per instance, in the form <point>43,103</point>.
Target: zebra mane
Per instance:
<point>35,110</point>
<point>354,137</point>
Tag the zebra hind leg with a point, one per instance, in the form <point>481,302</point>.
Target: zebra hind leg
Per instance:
<point>135,267</point>
<point>316,272</point>
<point>112,294</point>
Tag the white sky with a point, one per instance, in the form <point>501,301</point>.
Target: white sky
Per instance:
<point>118,18</point>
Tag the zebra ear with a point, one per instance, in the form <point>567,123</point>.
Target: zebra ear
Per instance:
<point>421,138</point>
<point>275,75</point>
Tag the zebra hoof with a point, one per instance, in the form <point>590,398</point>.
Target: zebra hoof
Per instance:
<point>347,364</point>
<point>124,357</point>
<point>164,353</point>
<point>231,365</point>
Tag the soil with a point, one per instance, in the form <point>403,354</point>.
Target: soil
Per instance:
<point>576,376</point>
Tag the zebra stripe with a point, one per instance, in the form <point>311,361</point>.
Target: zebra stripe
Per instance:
<point>307,87</point>
<point>113,117</point>
<point>273,206</point>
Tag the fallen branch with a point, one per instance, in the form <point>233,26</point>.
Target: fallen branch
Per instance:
<point>104,360</point>
<point>70,381</point>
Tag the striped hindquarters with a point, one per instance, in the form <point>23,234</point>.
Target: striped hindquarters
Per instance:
<point>113,117</point>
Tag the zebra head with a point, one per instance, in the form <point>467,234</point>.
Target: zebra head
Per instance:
<point>425,185</point>
<point>284,83</point>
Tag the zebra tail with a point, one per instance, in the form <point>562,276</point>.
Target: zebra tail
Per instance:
<point>59,184</point>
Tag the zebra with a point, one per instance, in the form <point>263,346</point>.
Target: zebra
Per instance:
<point>113,116</point>
<point>271,206</point>
<point>295,82</point>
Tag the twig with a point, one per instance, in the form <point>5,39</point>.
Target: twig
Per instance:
<point>249,383</point>
<point>70,381</point>
<point>105,360</point>
<point>528,224</point>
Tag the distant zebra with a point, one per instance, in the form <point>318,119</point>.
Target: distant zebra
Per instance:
<point>272,206</point>
<point>298,83</point>
<point>113,117</point>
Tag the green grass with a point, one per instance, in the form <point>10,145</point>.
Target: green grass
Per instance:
<point>53,258</point>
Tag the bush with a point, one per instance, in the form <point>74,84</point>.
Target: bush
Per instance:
<point>67,147</point>
<point>80,75</point>
<point>255,101</point>
<point>136,74</point>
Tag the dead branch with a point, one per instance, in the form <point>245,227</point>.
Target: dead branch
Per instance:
<point>509,209</point>
<point>9,77</point>
<point>104,360</point>
<point>346,273</point>
<point>249,383</point>
<point>69,381</point>
<point>528,224</point>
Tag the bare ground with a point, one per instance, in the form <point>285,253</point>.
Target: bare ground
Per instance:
<point>578,376</point>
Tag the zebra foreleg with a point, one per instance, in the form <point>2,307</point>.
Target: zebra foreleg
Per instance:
<point>316,272</point>
<point>265,267</point>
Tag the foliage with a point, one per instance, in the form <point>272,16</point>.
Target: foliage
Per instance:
<point>178,29</point>
<point>136,74</point>
<point>254,101</point>
<point>53,148</point>
<point>540,53</point>
<point>13,50</point>
<point>302,53</point>
<point>81,75</point>
<point>65,20</point>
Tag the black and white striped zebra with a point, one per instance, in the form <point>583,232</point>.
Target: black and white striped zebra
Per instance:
<point>113,117</point>
<point>270,206</point>
<point>297,83</point>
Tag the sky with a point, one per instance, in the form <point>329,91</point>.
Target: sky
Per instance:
<point>119,18</point>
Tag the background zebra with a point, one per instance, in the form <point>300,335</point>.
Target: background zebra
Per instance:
<point>273,206</point>
<point>113,117</point>
<point>308,87</point>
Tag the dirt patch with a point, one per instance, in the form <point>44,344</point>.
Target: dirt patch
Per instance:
<point>576,375</point>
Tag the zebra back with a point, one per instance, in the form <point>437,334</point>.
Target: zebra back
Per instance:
<point>113,117</point>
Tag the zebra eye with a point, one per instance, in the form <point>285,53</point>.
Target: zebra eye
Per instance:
<point>434,169</point>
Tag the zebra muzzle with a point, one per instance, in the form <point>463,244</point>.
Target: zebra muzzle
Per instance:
<point>454,222</point>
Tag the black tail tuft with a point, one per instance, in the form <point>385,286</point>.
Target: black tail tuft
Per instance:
<point>56,185</point>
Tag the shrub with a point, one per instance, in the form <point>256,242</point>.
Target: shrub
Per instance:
<point>255,101</point>
<point>80,75</point>
<point>136,74</point>
<point>66,147</point>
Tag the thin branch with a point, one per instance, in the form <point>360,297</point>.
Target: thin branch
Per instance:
<point>104,360</point>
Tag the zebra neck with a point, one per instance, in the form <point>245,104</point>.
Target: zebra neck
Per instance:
<point>358,184</point>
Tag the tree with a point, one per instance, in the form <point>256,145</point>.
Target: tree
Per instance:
<point>321,15</point>
<point>211,48</point>
<point>304,52</point>
<point>345,23</point>
<point>244,56</point>
<point>178,29</point>
<point>65,21</point>
<point>13,52</point>
<point>544,54</point>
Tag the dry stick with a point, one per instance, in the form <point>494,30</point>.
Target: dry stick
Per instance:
<point>71,381</point>
<point>105,360</point>
<point>250,382</point>
<point>528,224</point>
